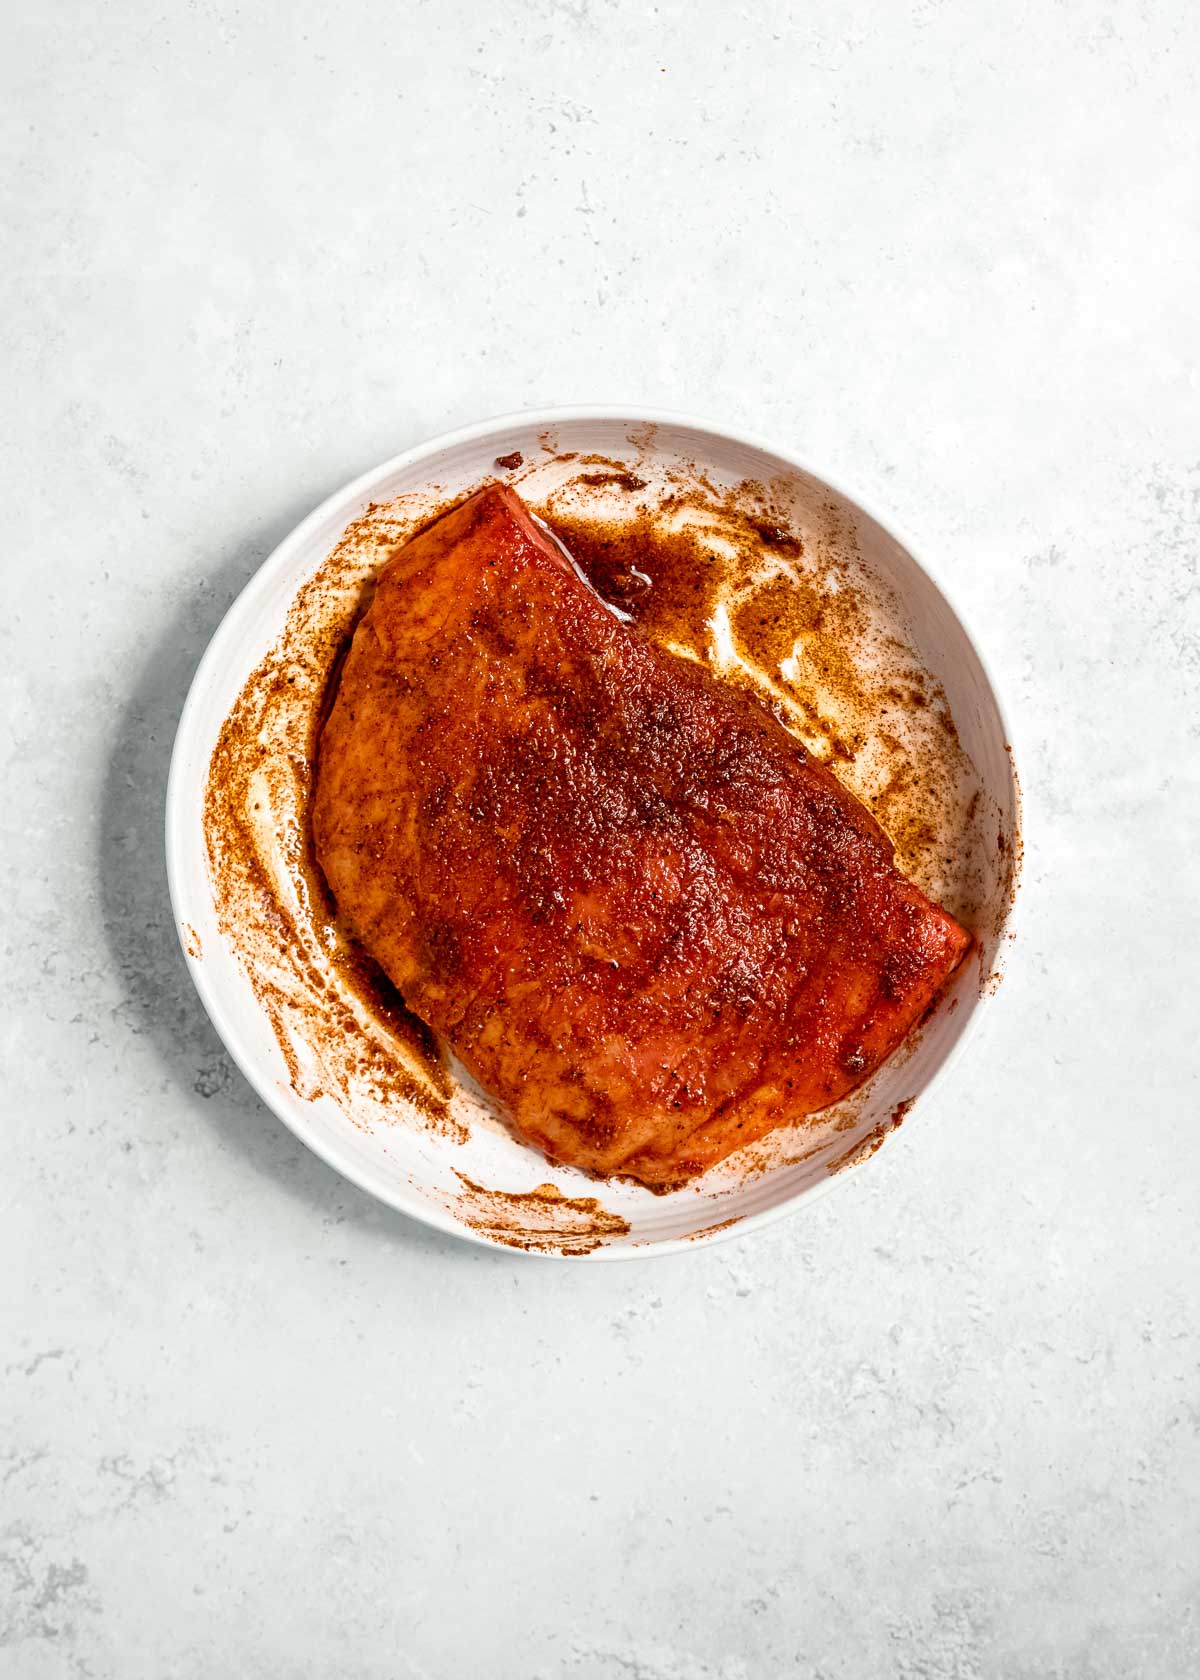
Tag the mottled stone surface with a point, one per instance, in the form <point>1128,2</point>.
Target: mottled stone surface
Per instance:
<point>946,1424</point>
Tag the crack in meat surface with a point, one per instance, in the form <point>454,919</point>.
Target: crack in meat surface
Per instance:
<point>643,916</point>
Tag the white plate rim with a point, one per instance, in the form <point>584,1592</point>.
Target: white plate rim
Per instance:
<point>226,636</point>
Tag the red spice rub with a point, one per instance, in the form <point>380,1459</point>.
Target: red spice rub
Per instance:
<point>647,920</point>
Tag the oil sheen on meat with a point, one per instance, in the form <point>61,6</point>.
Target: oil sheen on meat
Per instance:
<point>647,921</point>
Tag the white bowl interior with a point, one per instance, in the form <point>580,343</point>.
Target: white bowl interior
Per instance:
<point>417,1169</point>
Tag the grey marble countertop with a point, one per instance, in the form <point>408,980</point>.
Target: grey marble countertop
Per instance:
<point>947,1422</point>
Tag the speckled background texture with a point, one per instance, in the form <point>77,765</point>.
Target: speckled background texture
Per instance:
<point>945,1424</point>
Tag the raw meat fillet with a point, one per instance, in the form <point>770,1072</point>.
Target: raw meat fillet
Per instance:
<point>644,917</point>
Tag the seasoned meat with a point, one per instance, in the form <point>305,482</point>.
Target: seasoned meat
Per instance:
<point>646,920</point>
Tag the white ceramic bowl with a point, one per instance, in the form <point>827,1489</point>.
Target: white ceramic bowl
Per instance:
<point>416,1171</point>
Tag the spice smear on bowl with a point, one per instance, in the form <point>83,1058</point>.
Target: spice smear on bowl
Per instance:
<point>729,576</point>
